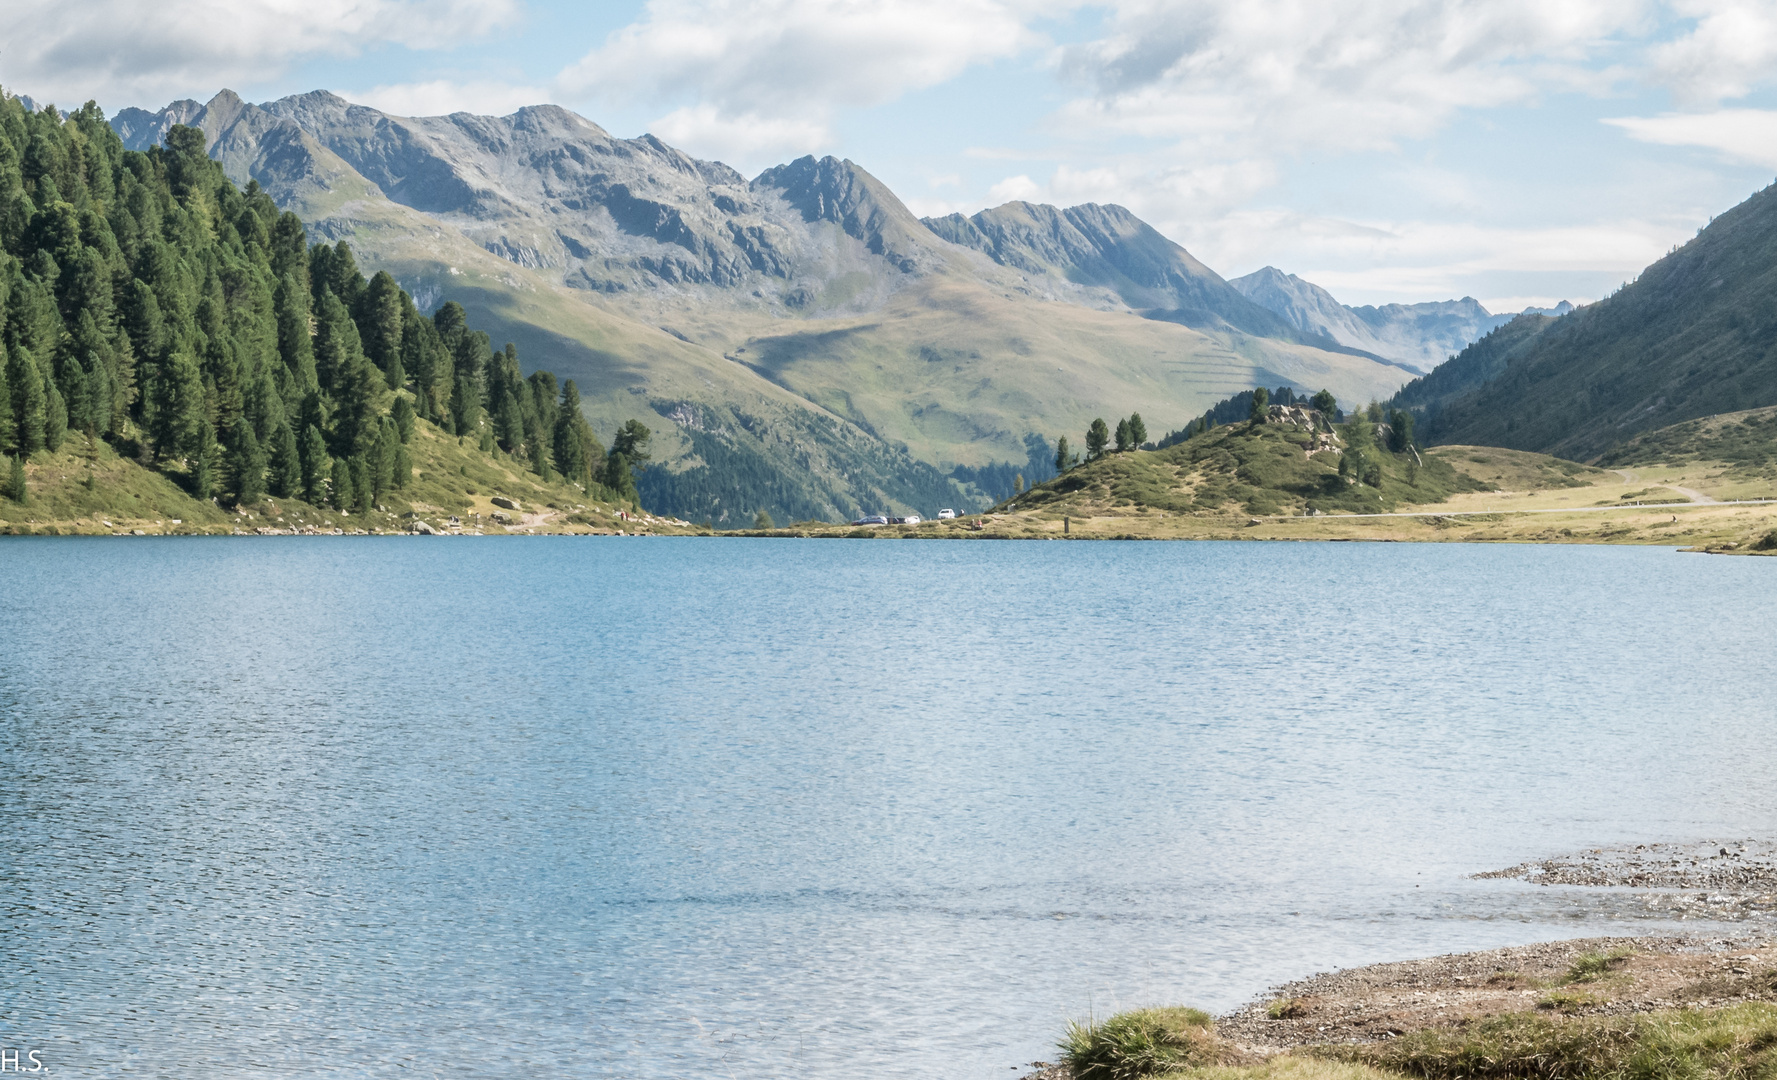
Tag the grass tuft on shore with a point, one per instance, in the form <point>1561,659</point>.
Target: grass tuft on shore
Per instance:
<point>1146,1042</point>
<point>1734,1043</point>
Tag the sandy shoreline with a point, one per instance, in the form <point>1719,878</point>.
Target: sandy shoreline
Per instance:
<point>1725,882</point>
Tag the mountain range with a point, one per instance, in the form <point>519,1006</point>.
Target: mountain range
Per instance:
<point>802,341</point>
<point>1419,335</point>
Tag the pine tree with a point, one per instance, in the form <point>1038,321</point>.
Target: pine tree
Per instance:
<point>341,483</point>
<point>1098,435</point>
<point>203,466</point>
<point>30,402</point>
<point>55,424</point>
<point>632,441</point>
<point>1061,456</point>
<point>381,459</point>
<point>286,464</point>
<point>8,429</point>
<point>247,467</point>
<point>363,485</point>
<point>402,414</point>
<point>1123,436</point>
<point>317,467</point>
<point>379,322</point>
<point>15,483</point>
<point>618,478</point>
<point>1261,406</point>
<point>1138,431</point>
<point>403,470</point>
<point>178,405</point>
<point>295,345</point>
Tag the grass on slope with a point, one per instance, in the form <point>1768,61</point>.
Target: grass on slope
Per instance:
<point>1737,1042</point>
<point>1746,441</point>
<point>1239,468</point>
<point>450,478</point>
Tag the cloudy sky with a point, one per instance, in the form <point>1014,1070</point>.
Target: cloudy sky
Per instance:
<point>1519,151</point>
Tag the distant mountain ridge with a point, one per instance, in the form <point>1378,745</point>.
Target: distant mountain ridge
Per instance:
<point>1420,335</point>
<point>801,330</point>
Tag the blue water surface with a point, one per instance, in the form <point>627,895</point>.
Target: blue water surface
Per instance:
<point>622,807</point>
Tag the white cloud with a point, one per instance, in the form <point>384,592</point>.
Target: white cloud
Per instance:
<point>1016,189</point>
<point>748,142</point>
<point>127,51</point>
<point>786,57</point>
<point>1228,78</point>
<point>772,73</point>
<point>1732,49</point>
<point>442,97</point>
<point>1748,135</point>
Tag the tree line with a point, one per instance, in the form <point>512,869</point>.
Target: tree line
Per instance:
<point>148,301</point>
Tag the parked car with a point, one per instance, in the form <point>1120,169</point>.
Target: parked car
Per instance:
<point>946,514</point>
<point>873,519</point>
<point>912,519</point>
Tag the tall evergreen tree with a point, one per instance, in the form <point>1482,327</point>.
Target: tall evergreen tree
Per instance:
<point>317,467</point>
<point>1124,440</point>
<point>1138,431</point>
<point>1061,455</point>
<point>247,467</point>
<point>363,485</point>
<point>30,402</point>
<point>16,489</point>
<point>402,413</point>
<point>286,464</point>
<point>343,495</point>
<point>203,462</point>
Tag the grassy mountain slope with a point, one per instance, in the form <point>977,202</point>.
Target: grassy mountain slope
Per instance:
<point>450,478</point>
<point>1743,442</point>
<point>1695,335</point>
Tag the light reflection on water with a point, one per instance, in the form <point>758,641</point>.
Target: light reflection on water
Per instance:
<point>666,808</point>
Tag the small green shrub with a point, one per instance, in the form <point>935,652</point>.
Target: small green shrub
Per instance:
<point>1287,1009</point>
<point>1132,1045</point>
<point>1590,967</point>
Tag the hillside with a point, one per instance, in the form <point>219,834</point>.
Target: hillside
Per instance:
<point>1691,337</point>
<point>800,340</point>
<point>1744,443</point>
<point>1296,463</point>
<point>451,479</point>
<point>171,345</point>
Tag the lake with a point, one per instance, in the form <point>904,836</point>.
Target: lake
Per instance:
<point>625,807</point>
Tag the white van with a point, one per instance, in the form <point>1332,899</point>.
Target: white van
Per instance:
<point>946,515</point>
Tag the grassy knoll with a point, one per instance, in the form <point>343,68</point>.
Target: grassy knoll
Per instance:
<point>86,488</point>
<point>1658,1009</point>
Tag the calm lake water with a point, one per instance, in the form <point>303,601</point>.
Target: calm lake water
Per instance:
<point>735,808</point>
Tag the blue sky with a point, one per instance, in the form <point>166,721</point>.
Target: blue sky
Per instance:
<point>1520,151</point>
